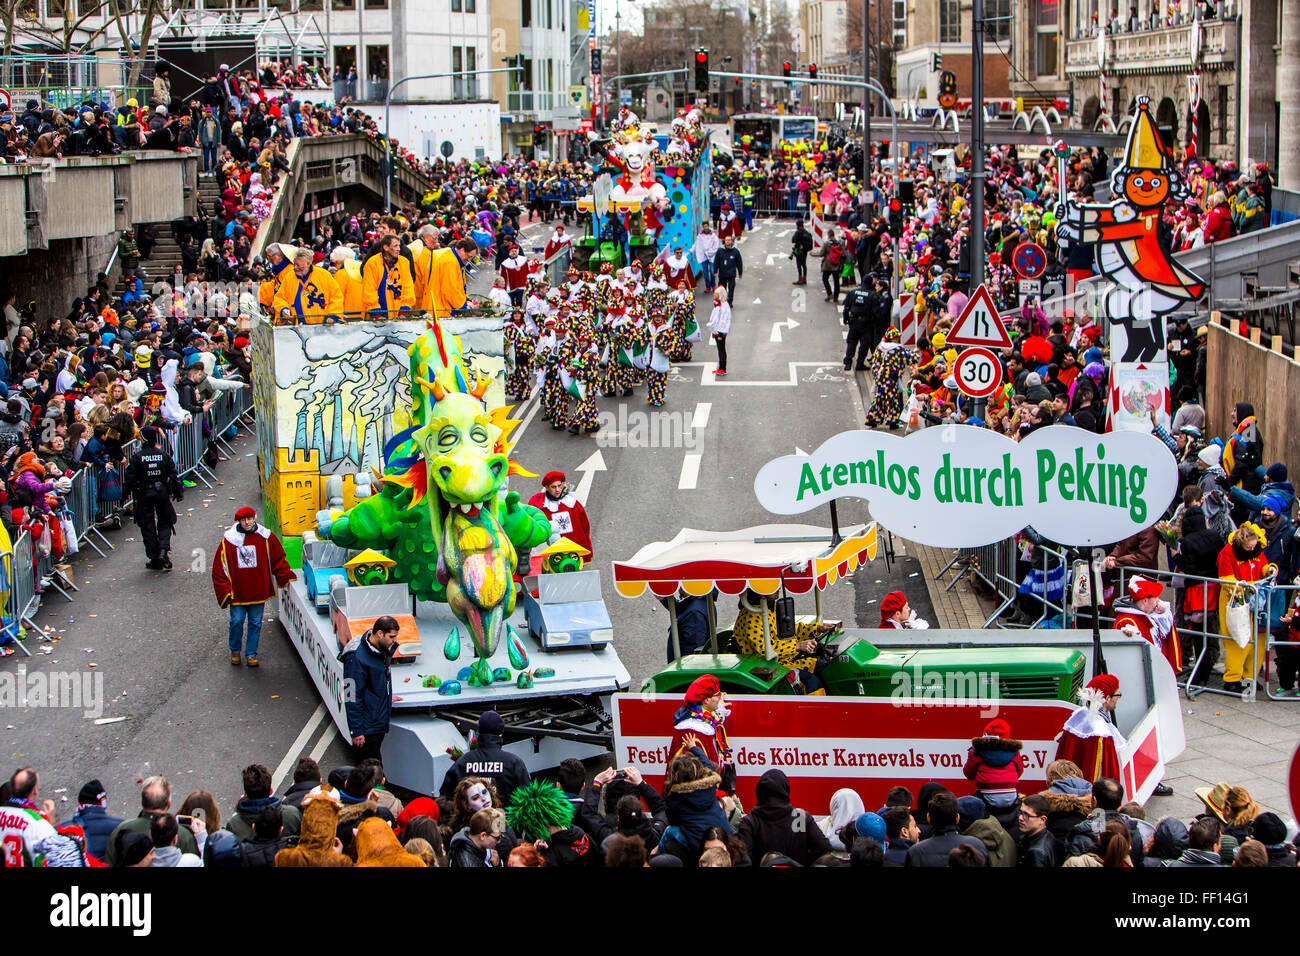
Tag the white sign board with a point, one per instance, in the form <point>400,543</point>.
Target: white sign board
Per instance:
<point>957,486</point>
<point>1031,286</point>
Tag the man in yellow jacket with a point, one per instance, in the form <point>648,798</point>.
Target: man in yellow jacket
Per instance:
<point>446,289</point>
<point>386,282</point>
<point>315,295</point>
<point>282,282</point>
<point>425,248</point>
<point>347,275</point>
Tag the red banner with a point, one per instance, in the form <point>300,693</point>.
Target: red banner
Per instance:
<point>825,743</point>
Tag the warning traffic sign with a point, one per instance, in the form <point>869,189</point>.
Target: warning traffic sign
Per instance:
<point>979,324</point>
<point>1029,260</point>
<point>978,372</point>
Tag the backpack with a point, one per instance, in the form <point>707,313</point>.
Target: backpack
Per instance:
<point>835,254</point>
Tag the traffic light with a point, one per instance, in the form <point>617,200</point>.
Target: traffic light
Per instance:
<point>701,70</point>
<point>936,62</point>
<point>906,192</point>
<point>595,61</point>
<point>812,71</point>
<point>786,67</point>
<point>895,218</point>
<point>539,129</point>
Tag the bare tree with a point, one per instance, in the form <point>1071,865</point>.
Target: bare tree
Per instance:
<point>881,46</point>
<point>150,13</point>
<point>72,35</point>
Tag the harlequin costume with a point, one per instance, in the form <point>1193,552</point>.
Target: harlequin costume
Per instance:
<point>546,361</point>
<point>1090,738</point>
<point>665,341</point>
<point>709,727</point>
<point>681,306</point>
<point>886,367</point>
<point>520,345</point>
<point>635,338</point>
<point>1157,627</point>
<point>583,364</point>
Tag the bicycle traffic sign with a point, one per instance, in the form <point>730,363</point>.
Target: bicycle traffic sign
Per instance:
<point>1029,260</point>
<point>978,372</point>
<point>979,324</point>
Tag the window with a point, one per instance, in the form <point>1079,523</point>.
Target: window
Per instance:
<point>950,21</point>
<point>88,8</point>
<point>1222,124</point>
<point>997,19</point>
<point>1046,49</point>
<point>377,62</point>
<point>455,6</point>
<point>345,58</point>
<point>525,13</point>
<point>376,4</point>
<point>469,6</point>
<point>309,5</point>
<point>343,4</point>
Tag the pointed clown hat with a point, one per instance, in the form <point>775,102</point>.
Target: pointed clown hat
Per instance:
<point>1145,149</point>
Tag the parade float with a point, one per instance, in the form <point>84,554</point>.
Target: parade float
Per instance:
<point>654,186</point>
<point>901,705</point>
<point>384,457</point>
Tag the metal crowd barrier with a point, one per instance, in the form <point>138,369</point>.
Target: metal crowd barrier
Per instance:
<point>780,202</point>
<point>1284,599</point>
<point>998,566</point>
<point>21,603</point>
<point>1258,593</point>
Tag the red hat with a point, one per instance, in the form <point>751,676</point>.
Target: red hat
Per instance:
<point>16,516</point>
<point>245,512</point>
<point>1108,684</point>
<point>997,728</point>
<point>702,688</point>
<point>240,342</point>
<point>1141,587</point>
<point>891,605</point>
<point>552,476</point>
<point>419,807</point>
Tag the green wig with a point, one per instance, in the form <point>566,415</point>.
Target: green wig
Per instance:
<point>537,806</point>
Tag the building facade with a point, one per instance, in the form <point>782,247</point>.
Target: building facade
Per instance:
<point>824,29</point>
<point>936,36</point>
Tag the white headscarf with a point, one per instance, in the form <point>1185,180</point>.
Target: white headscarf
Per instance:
<point>846,807</point>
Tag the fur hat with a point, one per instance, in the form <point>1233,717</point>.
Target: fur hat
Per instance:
<point>1140,587</point>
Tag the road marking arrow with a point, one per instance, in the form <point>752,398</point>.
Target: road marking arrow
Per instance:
<point>589,468</point>
<point>776,328</point>
<point>773,258</point>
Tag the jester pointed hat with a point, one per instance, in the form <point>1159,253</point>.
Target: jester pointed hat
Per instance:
<point>1145,149</point>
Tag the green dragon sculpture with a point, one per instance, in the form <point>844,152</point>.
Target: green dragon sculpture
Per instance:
<point>438,512</point>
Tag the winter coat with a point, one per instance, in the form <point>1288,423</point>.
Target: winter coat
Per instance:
<point>1253,503</point>
<point>933,852</point>
<point>261,854</point>
<point>1198,858</point>
<point>246,811</point>
<point>994,763</point>
<point>572,847</point>
<point>693,807</point>
<point>776,826</point>
<point>998,845</point>
<point>30,490</point>
<point>896,851</point>
<point>464,852</point>
<point>97,826</point>
<point>248,566</point>
<point>315,847</point>
<point>1069,802</point>
<point>1168,842</point>
<point>489,760</point>
<point>1085,837</point>
<point>370,706</point>
<point>1039,851</point>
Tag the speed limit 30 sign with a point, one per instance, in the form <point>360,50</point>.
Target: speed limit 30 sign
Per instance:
<point>978,372</point>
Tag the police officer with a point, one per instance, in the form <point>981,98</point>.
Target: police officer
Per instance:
<point>859,306</point>
<point>489,760</point>
<point>151,477</point>
<point>881,313</point>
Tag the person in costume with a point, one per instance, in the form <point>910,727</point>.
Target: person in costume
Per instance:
<point>315,296</point>
<point>681,306</point>
<point>347,276</point>
<point>541,814</point>
<point>700,723</point>
<point>514,268</point>
<point>896,612</point>
<point>664,342</point>
<point>387,287</point>
<point>445,292</point>
<point>249,565</point>
<point>547,360</point>
<point>1151,283</point>
<point>729,224</point>
<point>556,242</point>
<point>622,376</point>
<point>799,653</point>
<point>1242,559</point>
<point>567,515</point>
<point>677,268</point>
<point>1090,740</point>
<point>1142,611</point>
<point>583,363</point>
<point>886,366</point>
<point>521,342</point>
<point>635,338</point>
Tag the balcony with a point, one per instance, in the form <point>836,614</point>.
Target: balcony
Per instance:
<point>1155,51</point>
<point>537,103</point>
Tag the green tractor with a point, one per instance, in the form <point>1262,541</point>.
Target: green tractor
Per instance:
<point>795,558</point>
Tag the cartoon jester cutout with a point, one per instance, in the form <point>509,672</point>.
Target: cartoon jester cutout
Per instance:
<point>439,512</point>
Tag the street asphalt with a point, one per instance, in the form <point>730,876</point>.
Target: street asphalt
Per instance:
<point>158,640</point>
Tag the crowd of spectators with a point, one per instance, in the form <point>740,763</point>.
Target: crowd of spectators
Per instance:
<point>352,817</point>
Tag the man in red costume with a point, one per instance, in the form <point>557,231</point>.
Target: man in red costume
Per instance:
<point>700,722</point>
<point>729,224</point>
<point>557,242</point>
<point>1090,738</point>
<point>567,515</point>
<point>1141,610</point>
<point>248,567</point>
